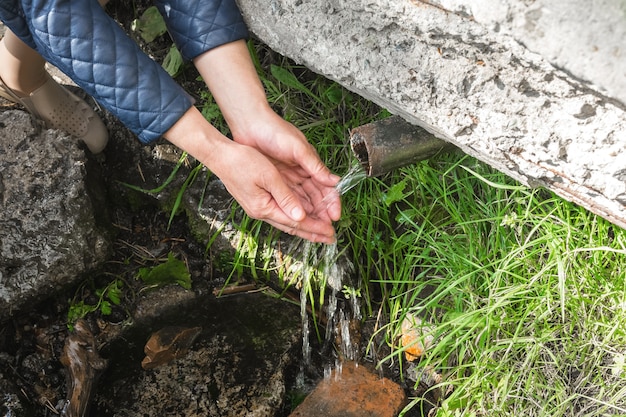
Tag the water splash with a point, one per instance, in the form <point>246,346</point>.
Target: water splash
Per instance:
<point>355,175</point>
<point>333,280</point>
<point>304,289</point>
<point>349,351</point>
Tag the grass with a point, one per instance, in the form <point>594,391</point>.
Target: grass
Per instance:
<point>525,293</point>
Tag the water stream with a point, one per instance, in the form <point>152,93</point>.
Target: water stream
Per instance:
<point>324,261</point>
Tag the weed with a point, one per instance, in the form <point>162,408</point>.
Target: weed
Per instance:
<point>172,271</point>
<point>106,297</point>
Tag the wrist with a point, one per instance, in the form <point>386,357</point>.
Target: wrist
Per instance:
<point>195,135</point>
<point>251,120</point>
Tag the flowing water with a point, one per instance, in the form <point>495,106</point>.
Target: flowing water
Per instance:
<point>324,260</point>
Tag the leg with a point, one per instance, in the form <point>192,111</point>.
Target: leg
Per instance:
<point>24,80</point>
<point>23,69</point>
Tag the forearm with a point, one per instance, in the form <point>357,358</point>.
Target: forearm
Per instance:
<point>229,73</point>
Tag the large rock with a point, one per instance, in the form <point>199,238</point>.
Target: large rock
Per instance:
<point>239,365</point>
<point>585,38</point>
<point>48,233</point>
<point>511,82</point>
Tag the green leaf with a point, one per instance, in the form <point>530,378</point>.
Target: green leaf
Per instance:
<point>150,25</point>
<point>114,293</point>
<point>286,77</point>
<point>395,193</point>
<point>211,111</point>
<point>105,307</point>
<point>173,61</point>
<point>334,94</point>
<point>77,311</point>
<point>172,271</point>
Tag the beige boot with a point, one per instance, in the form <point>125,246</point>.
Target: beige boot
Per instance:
<point>60,109</point>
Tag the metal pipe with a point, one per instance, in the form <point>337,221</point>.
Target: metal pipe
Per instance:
<point>392,143</point>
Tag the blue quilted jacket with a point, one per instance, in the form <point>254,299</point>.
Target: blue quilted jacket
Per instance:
<point>79,38</point>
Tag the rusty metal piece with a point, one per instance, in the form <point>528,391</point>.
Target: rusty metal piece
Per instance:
<point>392,143</point>
<point>84,365</point>
<point>168,344</point>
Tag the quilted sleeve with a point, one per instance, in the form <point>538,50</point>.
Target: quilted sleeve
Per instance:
<point>197,26</point>
<point>79,38</point>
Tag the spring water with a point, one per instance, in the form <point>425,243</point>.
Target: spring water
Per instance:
<point>325,260</point>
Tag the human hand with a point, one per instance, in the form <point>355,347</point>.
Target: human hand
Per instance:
<point>296,160</point>
<point>283,196</point>
<point>279,192</point>
<point>294,191</point>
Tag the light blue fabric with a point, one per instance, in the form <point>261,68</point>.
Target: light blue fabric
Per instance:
<point>79,38</point>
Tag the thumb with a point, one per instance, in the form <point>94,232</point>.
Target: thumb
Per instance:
<point>288,202</point>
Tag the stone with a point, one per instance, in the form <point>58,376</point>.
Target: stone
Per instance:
<point>167,344</point>
<point>84,365</point>
<point>416,337</point>
<point>239,364</point>
<point>353,391</point>
<point>48,232</point>
<point>522,99</point>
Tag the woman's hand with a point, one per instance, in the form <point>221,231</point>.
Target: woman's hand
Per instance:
<point>296,160</point>
<point>281,193</point>
<point>230,75</point>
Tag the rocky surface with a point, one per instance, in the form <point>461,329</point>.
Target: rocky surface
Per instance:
<point>585,38</point>
<point>49,233</point>
<point>466,75</point>
<point>240,364</point>
<point>247,353</point>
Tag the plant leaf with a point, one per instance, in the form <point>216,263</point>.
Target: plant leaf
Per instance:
<point>395,193</point>
<point>173,61</point>
<point>286,77</point>
<point>172,271</point>
<point>105,307</point>
<point>150,25</point>
<point>334,94</point>
<point>114,293</point>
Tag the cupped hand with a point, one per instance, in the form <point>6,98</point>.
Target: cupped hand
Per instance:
<point>296,197</point>
<point>297,162</point>
<point>283,196</point>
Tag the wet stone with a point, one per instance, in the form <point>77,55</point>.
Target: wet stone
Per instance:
<point>168,344</point>
<point>242,352</point>
<point>353,391</point>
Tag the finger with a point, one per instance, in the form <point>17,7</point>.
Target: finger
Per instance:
<point>316,196</point>
<point>286,199</point>
<point>333,204</point>
<point>296,230</point>
<point>308,158</point>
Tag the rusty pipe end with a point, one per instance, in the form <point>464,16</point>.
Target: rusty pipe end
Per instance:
<point>358,144</point>
<point>392,143</point>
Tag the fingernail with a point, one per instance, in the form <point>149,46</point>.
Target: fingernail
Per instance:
<point>297,213</point>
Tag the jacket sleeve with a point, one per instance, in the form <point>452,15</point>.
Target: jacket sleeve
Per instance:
<point>79,38</point>
<point>198,26</point>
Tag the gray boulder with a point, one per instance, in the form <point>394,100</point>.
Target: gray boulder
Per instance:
<point>48,233</point>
